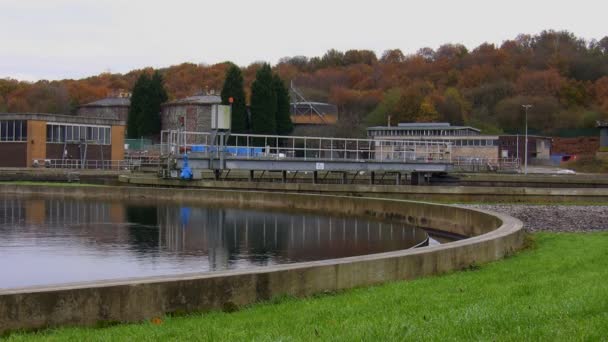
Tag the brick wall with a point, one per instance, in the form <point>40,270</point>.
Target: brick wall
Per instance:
<point>197,117</point>
<point>13,154</point>
<point>580,146</point>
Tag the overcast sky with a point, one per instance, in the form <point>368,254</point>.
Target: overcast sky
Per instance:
<point>57,39</point>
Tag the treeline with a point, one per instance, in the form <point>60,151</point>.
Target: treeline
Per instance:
<point>269,104</point>
<point>564,77</point>
<point>268,112</point>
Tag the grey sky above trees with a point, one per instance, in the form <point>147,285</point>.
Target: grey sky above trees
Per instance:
<point>58,39</point>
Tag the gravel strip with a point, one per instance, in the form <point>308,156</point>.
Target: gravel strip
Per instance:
<point>553,218</point>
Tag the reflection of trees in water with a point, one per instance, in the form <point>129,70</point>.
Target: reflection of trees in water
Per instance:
<point>143,231</point>
<point>262,238</point>
<point>211,238</point>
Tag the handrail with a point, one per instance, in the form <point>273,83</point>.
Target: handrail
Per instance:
<point>258,146</point>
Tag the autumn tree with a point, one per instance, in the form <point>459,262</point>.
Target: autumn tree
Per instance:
<point>385,109</point>
<point>332,58</point>
<point>600,91</point>
<point>392,56</point>
<point>564,73</point>
<point>541,117</point>
<point>233,88</point>
<point>452,107</point>
<point>263,102</point>
<point>415,105</point>
<point>359,57</point>
<point>539,83</point>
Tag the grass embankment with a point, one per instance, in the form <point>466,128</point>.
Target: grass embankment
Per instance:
<point>557,290</point>
<point>588,164</point>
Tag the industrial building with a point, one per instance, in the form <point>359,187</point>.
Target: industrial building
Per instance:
<point>28,139</point>
<point>112,107</point>
<point>313,113</point>
<point>191,113</point>
<point>467,142</point>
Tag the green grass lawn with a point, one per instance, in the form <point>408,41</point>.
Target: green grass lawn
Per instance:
<point>556,290</point>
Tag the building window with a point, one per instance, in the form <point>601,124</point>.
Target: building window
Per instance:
<point>13,130</point>
<point>62,133</point>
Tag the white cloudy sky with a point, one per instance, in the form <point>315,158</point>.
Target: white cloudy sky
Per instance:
<point>56,39</point>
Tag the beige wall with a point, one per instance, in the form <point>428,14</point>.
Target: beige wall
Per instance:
<point>36,140</point>
<point>486,152</point>
<point>118,143</point>
<point>543,149</point>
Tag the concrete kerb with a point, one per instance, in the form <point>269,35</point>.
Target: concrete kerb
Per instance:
<point>387,191</point>
<point>130,300</point>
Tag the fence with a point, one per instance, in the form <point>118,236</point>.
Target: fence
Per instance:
<point>486,164</point>
<point>138,144</point>
<point>252,146</point>
<point>128,164</point>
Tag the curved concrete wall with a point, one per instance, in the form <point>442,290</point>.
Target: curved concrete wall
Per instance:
<point>492,237</point>
<point>423,193</point>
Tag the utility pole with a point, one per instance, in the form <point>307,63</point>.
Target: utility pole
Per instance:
<point>526,147</point>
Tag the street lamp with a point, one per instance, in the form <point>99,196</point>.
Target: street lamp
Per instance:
<point>526,147</point>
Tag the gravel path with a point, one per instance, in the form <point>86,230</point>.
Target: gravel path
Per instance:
<point>554,218</point>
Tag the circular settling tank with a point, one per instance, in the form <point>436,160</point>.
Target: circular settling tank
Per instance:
<point>52,241</point>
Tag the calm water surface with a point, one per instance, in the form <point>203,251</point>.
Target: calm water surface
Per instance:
<point>53,241</point>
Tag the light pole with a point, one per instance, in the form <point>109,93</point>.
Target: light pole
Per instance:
<point>526,146</point>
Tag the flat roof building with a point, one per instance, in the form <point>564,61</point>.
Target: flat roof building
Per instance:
<point>32,139</point>
<point>431,129</point>
<point>467,142</point>
<point>191,113</point>
<point>114,107</point>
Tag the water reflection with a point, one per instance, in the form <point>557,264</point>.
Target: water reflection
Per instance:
<point>58,241</point>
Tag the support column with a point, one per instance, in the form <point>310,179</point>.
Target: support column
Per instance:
<point>398,179</point>
<point>315,179</point>
<point>250,177</point>
<point>284,176</point>
<point>414,178</point>
<point>372,178</point>
<point>344,178</point>
<point>216,174</point>
<point>418,178</point>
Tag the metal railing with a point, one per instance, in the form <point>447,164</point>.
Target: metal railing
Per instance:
<point>485,164</point>
<point>253,146</point>
<point>128,164</point>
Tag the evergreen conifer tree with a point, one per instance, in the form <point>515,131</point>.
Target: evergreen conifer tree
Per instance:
<point>282,117</point>
<point>138,105</point>
<point>155,96</point>
<point>263,102</point>
<point>144,113</point>
<point>233,87</point>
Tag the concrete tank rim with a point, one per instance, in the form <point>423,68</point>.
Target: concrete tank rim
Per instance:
<point>508,225</point>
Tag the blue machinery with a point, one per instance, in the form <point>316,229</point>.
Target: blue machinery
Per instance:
<point>187,154</point>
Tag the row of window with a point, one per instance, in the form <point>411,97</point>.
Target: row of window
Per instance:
<point>13,130</point>
<point>453,142</point>
<point>60,133</point>
<point>421,132</point>
<point>475,142</point>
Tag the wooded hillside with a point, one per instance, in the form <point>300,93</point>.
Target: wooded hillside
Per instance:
<point>564,77</point>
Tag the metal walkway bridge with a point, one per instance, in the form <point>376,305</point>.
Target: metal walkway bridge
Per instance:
<point>220,151</point>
